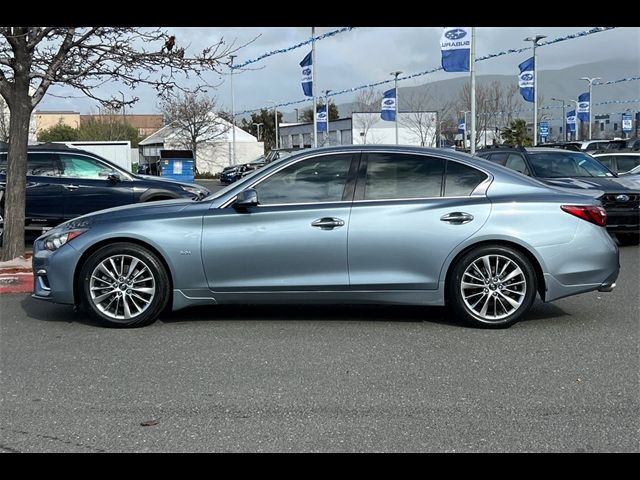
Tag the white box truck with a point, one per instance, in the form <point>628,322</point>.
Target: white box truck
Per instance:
<point>118,151</point>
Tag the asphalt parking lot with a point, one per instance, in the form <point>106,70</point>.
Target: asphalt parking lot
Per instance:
<point>325,379</point>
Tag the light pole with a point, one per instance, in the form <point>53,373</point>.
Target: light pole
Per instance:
<point>535,40</point>
<point>395,74</point>
<point>326,104</point>
<point>464,134</point>
<point>275,113</point>
<point>590,80</point>
<point>576,110</point>
<point>233,112</point>
<point>258,125</point>
<point>296,115</point>
<point>564,117</point>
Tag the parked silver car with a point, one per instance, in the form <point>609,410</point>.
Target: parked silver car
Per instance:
<point>359,224</point>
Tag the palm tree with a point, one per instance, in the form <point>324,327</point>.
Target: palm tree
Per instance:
<point>516,134</point>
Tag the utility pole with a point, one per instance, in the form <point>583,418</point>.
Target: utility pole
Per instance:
<point>535,40</point>
<point>233,113</point>
<point>395,74</point>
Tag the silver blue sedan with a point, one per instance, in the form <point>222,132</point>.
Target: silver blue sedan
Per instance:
<point>358,225</point>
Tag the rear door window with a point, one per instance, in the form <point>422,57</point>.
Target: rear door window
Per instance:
<point>500,158</point>
<point>400,175</point>
<point>516,162</point>
<point>607,161</point>
<point>41,164</point>
<point>627,162</point>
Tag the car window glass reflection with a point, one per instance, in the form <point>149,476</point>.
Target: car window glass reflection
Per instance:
<point>319,179</point>
<point>392,176</point>
<point>83,167</point>
<point>462,180</point>
<point>41,165</point>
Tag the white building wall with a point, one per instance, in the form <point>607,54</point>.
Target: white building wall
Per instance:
<point>213,157</point>
<point>384,132</point>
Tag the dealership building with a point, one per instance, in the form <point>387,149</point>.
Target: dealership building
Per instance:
<point>414,128</point>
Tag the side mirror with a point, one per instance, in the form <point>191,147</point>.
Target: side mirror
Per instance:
<point>112,177</point>
<point>246,198</point>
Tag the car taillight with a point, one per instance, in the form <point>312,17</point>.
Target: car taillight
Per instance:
<point>590,213</point>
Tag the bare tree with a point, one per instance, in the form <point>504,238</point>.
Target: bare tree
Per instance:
<point>32,59</point>
<point>195,120</point>
<point>367,101</point>
<point>420,122</point>
<point>495,105</point>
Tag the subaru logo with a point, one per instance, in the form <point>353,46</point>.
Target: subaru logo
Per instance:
<point>306,71</point>
<point>389,102</point>
<point>455,34</point>
<point>622,198</point>
<point>527,77</point>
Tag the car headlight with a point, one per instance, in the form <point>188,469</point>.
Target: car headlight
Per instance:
<point>200,192</point>
<point>55,241</point>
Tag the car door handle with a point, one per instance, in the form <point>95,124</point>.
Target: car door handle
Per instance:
<point>457,218</point>
<point>328,223</point>
<point>72,187</point>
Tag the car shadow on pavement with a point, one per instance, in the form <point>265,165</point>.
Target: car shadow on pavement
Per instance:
<point>368,313</point>
<point>51,312</point>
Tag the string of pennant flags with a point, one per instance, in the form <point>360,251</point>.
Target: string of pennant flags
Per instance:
<point>293,47</point>
<point>549,107</point>
<point>611,82</point>
<point>572,36</point>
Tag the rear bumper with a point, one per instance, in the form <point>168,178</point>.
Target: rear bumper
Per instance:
<point>590,262</point>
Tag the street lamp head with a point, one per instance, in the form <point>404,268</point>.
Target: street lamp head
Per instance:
<point>395,73</point>
<point>535,39</point>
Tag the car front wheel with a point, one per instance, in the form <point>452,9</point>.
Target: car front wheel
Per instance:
<point>492,287</point>
<point>124,285</point>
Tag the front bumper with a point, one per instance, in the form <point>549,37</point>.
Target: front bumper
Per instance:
<point>53,272</point>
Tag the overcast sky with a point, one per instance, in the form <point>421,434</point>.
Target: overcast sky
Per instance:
<point>365,55</point>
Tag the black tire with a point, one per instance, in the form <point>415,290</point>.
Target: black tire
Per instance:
<point>499,295</point>
<point>628,238</point>
<point>143,286</point>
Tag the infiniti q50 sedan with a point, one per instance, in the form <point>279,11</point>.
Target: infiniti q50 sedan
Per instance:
<point>359,225</point>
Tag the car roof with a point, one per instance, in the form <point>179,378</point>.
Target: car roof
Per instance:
<point>616,153</point>
<point>549,149</point>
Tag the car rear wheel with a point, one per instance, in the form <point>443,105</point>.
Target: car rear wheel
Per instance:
<point>124,285</point>
<point>492,287</point>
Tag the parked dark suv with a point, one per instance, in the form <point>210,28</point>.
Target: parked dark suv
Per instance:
<point>577,170</point>
<point>63,183</point>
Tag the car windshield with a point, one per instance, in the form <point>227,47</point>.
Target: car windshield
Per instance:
<point>566,164</point>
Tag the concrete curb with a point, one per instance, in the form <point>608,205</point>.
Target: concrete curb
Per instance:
<point>16,276</point>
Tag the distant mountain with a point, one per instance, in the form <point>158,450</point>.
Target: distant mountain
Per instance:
<point>564,84</point>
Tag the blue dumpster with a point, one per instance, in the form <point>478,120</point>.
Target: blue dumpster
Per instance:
<point>177,164</point>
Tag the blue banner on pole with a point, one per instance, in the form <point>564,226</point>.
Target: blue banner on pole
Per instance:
<point>544,130</point>
<point>571,121</point>
<point>307,75</point>
<point>583,107</point>
<point>455,45</point>
<point>627,123</point>
<point>526,79</point>
<point>388,106</point>
<point>321,118</point>
<point>461,126</point>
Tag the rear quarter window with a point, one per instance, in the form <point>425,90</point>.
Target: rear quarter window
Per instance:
<point>461,180</point>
